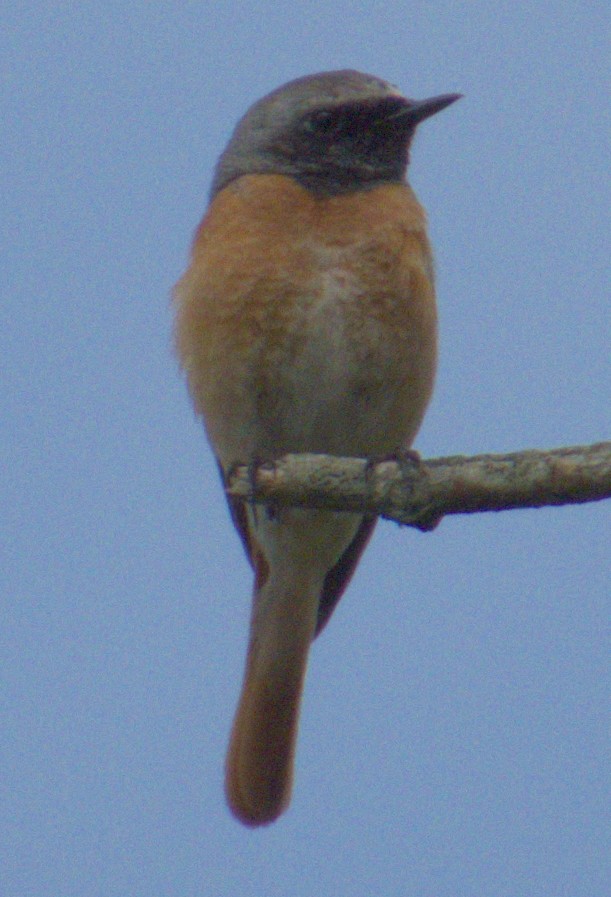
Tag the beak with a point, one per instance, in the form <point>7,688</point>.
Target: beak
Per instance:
<point>418,110</point>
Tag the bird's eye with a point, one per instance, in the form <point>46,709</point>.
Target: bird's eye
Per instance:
<point>320,121</point>
<point>323,118</point>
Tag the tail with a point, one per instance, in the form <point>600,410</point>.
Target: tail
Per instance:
<point>259,766</point>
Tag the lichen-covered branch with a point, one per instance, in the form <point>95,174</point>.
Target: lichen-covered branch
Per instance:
<point>419,493</point>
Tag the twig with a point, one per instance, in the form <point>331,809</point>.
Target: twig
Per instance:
<point>419,493</point>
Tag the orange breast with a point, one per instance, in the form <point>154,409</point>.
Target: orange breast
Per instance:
<point>308,324</point>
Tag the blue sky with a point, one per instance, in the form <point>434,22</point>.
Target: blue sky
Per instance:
<point>453,734</point>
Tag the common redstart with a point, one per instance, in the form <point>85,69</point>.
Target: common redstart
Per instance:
<point>306,322</point>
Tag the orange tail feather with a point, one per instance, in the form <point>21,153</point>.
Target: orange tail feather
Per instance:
<point>259,766</point>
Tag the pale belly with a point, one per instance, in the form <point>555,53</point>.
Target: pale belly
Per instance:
<point>332,377</point>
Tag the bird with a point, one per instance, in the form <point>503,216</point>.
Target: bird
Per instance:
<point>306,322</point>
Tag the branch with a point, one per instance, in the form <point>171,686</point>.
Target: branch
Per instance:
<point>419,493</point>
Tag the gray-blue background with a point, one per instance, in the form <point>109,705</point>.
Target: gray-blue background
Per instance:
<point>453,738</point>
